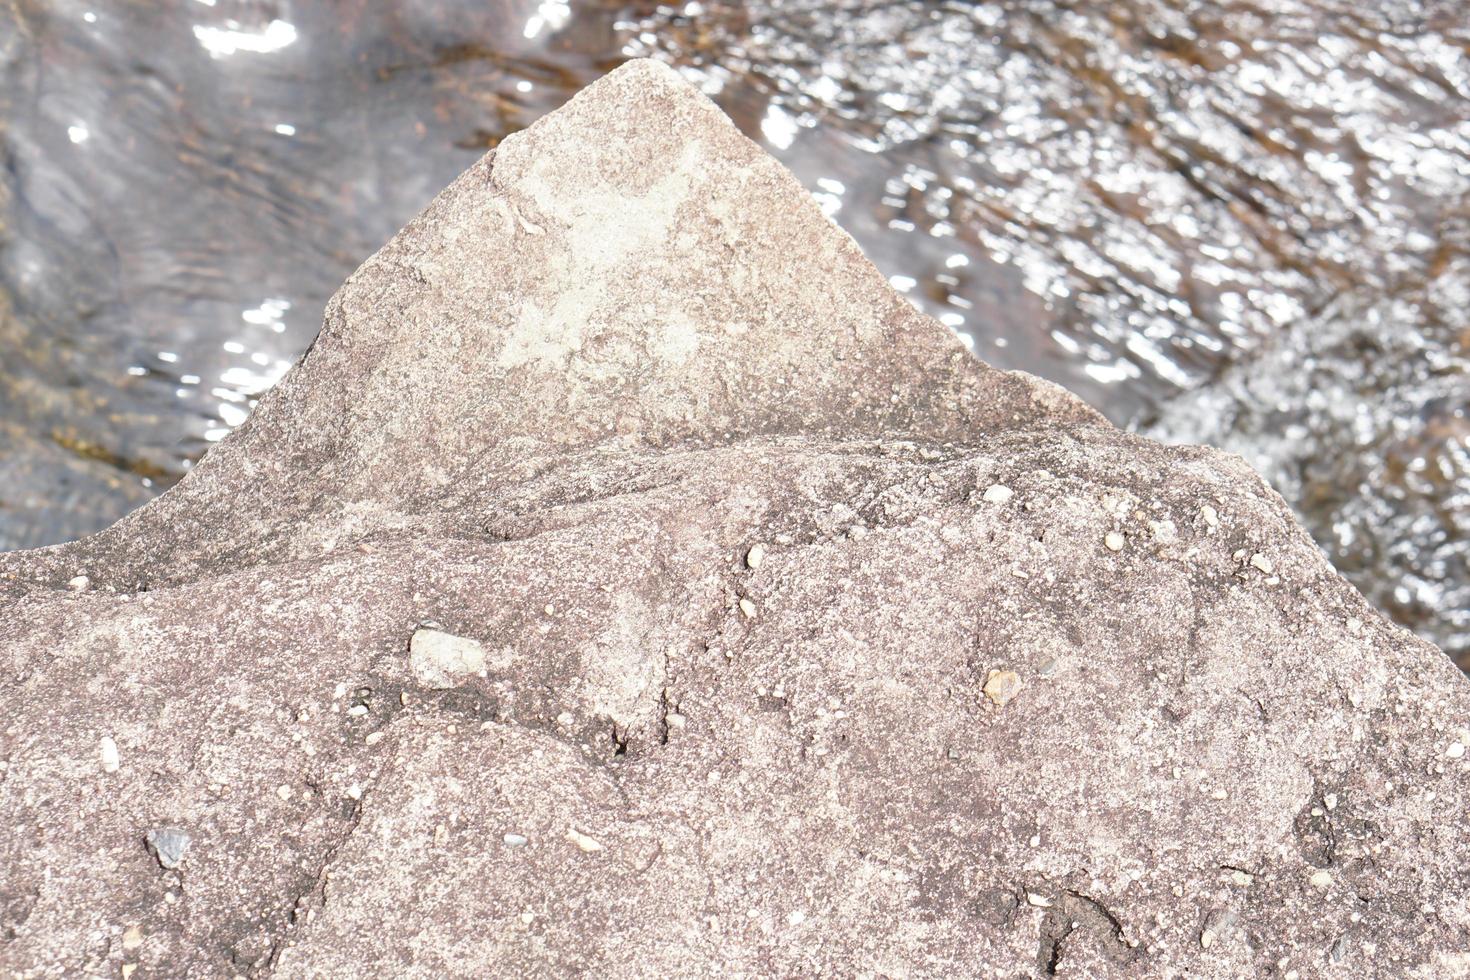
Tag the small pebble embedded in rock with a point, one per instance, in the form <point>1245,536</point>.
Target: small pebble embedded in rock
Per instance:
<point>1164,532</point>
<point>1001,686</point>
<point>748,608</point>
<point>755,556</point>
<point>111,759</point>
<point>1113,541</point>
<point>169,845</point>
<point>997,493</point>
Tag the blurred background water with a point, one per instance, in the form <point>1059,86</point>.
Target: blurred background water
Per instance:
<point>1241,223</point>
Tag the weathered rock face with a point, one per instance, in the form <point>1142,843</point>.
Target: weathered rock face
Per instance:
<point>628,582</point>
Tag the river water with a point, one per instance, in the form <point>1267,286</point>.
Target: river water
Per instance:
<point>1241,223</point>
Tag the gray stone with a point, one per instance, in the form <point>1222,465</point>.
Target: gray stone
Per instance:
<point>169,845</point>
<point>558,409</point>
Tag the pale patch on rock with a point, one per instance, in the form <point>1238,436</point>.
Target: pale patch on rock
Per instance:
<point>604,229</point>
<point>442,660</point>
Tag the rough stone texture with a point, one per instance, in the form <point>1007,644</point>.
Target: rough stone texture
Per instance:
<point>931,730</point>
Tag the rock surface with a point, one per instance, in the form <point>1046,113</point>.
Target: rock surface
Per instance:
<point>1118,720</point>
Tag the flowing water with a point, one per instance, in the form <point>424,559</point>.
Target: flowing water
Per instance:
<point>1242,223</point>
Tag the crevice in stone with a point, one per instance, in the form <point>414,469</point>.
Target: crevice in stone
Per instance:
<point>317,889</point>
<point>1076,917</point>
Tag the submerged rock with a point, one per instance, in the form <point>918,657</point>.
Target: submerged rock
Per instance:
<point>551,416</point>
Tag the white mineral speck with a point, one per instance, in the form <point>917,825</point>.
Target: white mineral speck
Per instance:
<point>514,840</point>
<point>1212,518</point>
<point>78,584</point>
<point>1113,541</point>
<point>284,792</point>
<point>755,556</point>
<point>584,842</point>
<point>1261,563</point>
<point>747,607</point>
<point>1321,879</point>
<point>1455,751</point>
<point>111,761</point>
<point>1040,901</point>
<point>997,493</point>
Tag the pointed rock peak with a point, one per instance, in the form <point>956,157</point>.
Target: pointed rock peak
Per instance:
<point>631,265</point>
<point>628,268</point>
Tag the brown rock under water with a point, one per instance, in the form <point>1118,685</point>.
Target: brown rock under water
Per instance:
<point>553,418</point>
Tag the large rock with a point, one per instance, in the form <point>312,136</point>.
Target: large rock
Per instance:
<point>629,583</point>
